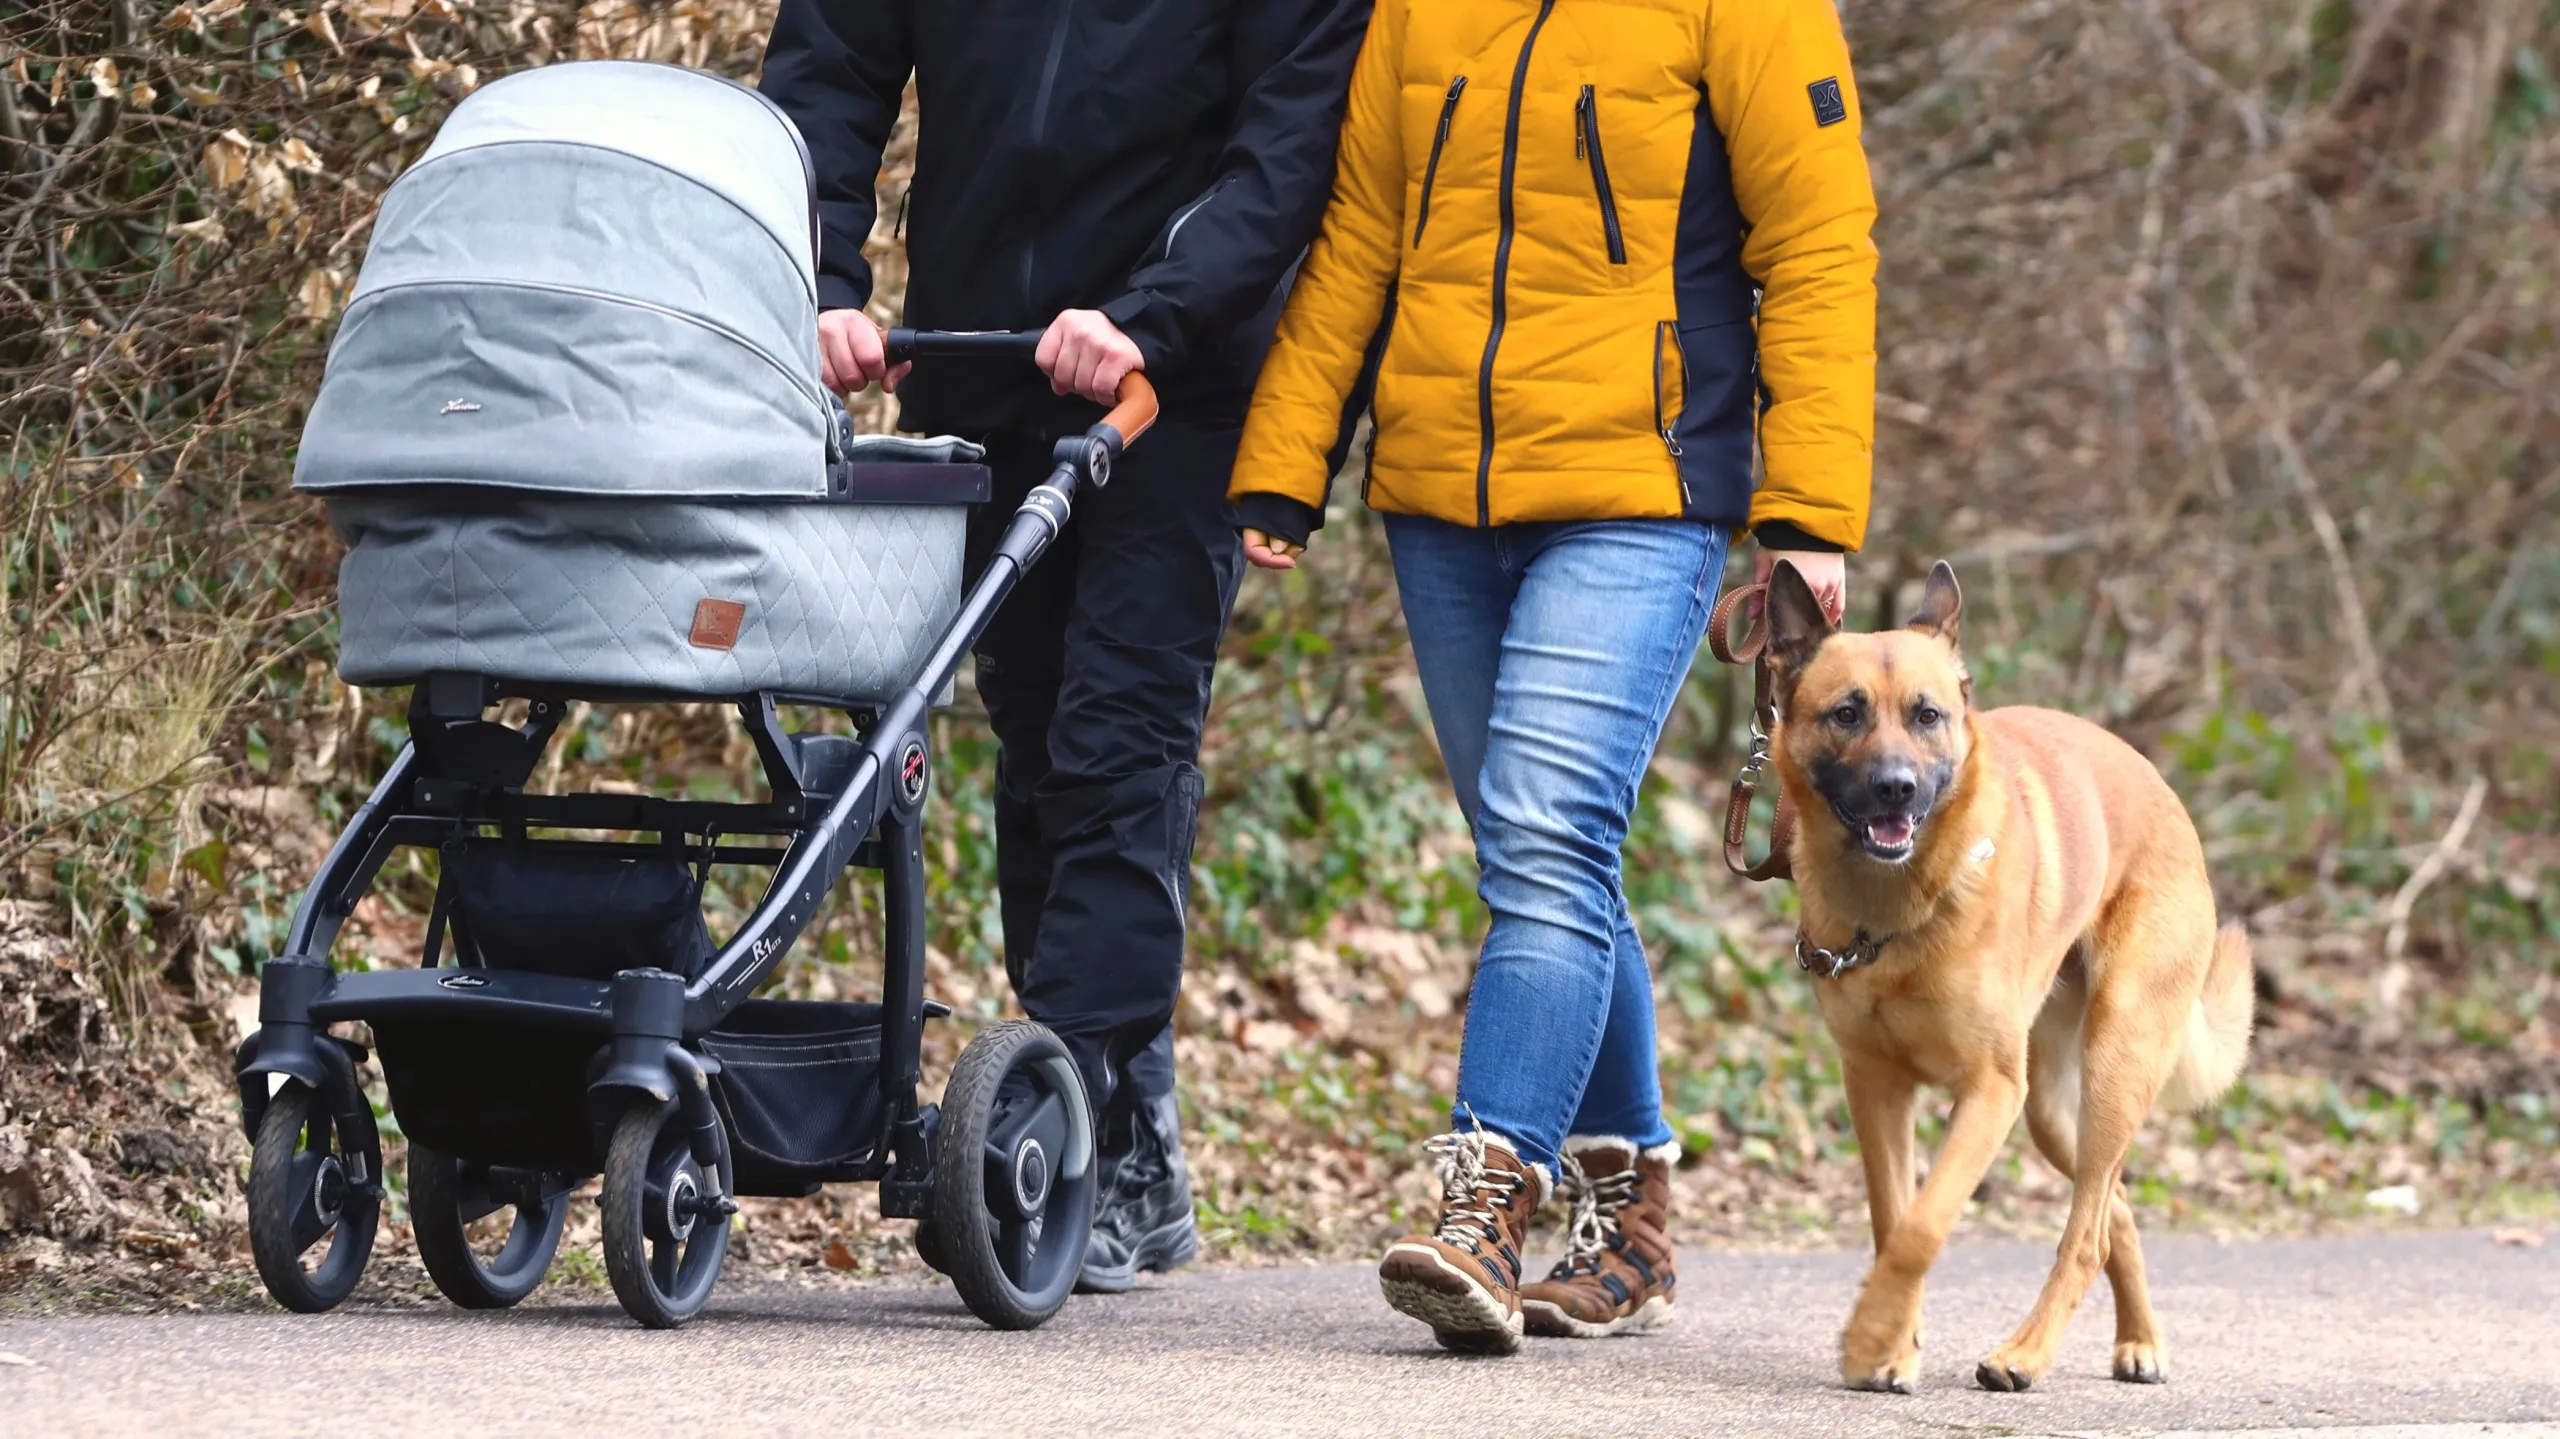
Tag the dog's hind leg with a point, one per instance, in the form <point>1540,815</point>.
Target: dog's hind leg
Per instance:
<point>1884,1328</point>
<point>2053,1121</point>
<point>2128,1039</point>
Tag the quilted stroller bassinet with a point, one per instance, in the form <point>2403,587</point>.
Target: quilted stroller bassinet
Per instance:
<point>572,429</point>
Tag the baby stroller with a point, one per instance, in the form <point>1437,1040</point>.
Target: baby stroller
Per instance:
<point>573,435</point>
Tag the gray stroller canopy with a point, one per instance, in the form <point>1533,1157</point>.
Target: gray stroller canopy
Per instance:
<point>597,281</point>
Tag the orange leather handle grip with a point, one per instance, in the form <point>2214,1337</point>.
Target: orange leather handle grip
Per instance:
<point>1136,412</point>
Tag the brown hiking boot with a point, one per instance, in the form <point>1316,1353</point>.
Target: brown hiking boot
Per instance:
<point>1463,1278</point>
<point>1616,1276</point>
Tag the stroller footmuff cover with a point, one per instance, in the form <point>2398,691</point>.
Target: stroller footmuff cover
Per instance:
<point>572,428</point>
<point>573,435</point>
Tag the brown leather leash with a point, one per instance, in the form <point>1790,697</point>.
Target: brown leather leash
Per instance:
<point>1753,650</point>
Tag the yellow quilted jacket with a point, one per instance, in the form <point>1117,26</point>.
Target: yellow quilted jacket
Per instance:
<point>1588,249</point>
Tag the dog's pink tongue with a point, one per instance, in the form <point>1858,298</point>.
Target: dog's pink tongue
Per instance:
<point>1890,829</point>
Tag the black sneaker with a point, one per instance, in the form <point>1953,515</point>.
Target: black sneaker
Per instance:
<point>1142,1216</point>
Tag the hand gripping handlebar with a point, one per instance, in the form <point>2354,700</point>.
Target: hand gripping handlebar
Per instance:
<point>1131,417</point>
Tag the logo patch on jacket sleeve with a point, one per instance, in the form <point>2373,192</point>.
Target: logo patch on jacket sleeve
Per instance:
<point>1829,106</point>
<point>716,624</point>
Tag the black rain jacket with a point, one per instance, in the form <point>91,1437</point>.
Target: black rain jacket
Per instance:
<point>1163,161</point>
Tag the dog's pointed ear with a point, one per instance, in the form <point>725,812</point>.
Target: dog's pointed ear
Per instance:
<point>1941,604</point>
<point>1797,622</point>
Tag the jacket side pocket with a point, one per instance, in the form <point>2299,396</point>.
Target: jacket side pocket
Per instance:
<point>1670,393</point>
<point>1713,429</point>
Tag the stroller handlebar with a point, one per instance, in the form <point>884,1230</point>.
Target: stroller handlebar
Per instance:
<point>904,344</point>
<point>1136,412</point>
<point>1131,417</point>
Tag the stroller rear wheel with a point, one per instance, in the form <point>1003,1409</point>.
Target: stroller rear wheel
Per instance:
<point>448,1195</point>
<point>929,1248</point>
<point>314,1176</point>
<point>1014,1182</point>
<point>666,1216</point>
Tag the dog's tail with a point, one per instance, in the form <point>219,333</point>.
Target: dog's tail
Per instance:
<point>2217,1037</point>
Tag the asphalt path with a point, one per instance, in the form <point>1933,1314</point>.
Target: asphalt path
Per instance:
<point>2395,1337</point>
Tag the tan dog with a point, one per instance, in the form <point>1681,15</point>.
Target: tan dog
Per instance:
<point>2011,905</point>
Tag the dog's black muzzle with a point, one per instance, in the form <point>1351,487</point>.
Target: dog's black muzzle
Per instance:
<point>1882,807</point>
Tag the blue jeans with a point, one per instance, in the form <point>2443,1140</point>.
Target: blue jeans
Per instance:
<point>1550,656</point>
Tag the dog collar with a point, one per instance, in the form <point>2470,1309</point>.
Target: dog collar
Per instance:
<point>1823,963</point>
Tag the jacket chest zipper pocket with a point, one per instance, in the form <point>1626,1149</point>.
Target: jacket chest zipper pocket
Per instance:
<point>1586,146</point>
<point>1431,170</point>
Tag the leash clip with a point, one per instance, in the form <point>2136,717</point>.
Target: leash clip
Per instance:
<point>1747,780</point>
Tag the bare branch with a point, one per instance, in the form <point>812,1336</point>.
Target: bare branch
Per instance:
<point>2391,989</point>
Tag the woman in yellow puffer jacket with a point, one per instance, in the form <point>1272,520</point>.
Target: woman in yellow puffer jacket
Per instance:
<point>1582,258</point>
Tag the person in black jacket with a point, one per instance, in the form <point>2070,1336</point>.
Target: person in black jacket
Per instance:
<point>1138,177</point>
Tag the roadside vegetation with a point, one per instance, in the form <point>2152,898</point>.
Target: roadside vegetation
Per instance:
<point>2220,350</point>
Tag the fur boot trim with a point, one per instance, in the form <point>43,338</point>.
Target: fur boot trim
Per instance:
<point>1546,1177</point>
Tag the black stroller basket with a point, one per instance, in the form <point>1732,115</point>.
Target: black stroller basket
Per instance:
<point>573,1016</point>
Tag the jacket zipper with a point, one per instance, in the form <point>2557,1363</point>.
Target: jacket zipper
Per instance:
<point>1502,268</point>
<point>1666,418</point>
<point>1040,128</point>
<point>1431,170</point>
<point>1586,141</point>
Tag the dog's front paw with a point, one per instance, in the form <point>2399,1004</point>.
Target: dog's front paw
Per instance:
<point>2011,1370</point>
<point>1880,1347</point>
<point>1880,1351</point>
<point>2138,1362</point>
<point>1900,1376</point>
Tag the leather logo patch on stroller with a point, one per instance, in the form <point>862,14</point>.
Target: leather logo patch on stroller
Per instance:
<point>716,624</point>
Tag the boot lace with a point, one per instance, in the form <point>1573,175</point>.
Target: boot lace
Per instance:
<point>1470,1191</point>
<point>1596,1203</point>
<point>1120,1210</point>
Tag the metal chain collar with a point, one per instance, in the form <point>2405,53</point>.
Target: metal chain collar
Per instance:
<point>1823,963</point>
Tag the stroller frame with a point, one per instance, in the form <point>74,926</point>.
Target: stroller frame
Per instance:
<point>838,801</point>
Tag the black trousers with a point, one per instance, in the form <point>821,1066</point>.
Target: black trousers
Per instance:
<point>1095,674</point>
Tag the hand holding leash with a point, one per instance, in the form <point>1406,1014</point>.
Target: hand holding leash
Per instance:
<point>1827,574</point>
<point>1752,650</point>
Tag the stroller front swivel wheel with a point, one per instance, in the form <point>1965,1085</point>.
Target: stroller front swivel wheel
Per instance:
<point>666,1216</point>
<point>315,1182</point>
<point>447,1196</point>
<point>1014,1181</point>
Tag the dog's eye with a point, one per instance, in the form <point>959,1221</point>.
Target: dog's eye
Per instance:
<point>1927,717</point>
<point>1845,716</point>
